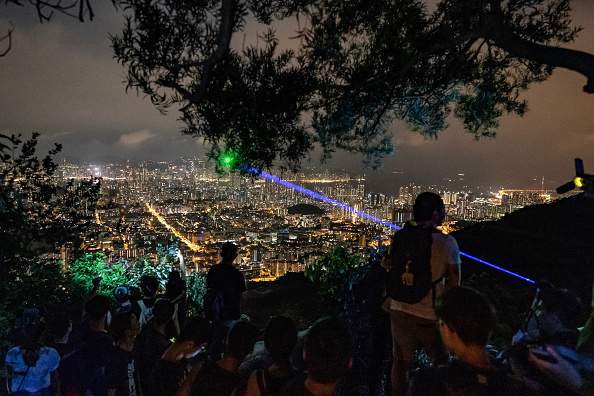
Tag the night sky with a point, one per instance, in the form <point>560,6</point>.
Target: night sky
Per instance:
<point>60,79</point>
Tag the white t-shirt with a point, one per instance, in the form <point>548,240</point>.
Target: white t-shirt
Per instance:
<point>38,376</point>
<point>444,252</point>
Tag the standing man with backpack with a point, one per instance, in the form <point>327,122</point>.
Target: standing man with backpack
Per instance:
<point>225,289</point>
<point>422,263</point>
<point>143,309</point>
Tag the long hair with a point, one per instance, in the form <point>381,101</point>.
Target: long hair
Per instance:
<point>31,346</point>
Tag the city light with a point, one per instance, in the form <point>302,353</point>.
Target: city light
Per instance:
<point>321,197</point>
<point>175,232</point>
<point>331,201</point>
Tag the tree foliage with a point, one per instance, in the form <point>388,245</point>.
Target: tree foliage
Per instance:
<point>335,273</point>
<point>92,265</point>
<point>353,68</point>
<point>196,287</point>
<point>40,213</point>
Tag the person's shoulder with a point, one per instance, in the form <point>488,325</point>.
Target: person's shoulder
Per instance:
<point>14,350</point>
<point>444,242</point>
<point>215,269</point>
<point>441,237</point>
<point>46,350</point>
<point>48,357</point>
<point>13,353</point>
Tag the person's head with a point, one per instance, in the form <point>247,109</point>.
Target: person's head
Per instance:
<point>124,326</point>
<point>175,285</point>
<point>327,350</point>
<point>174,276</point>
<point>229,251</point>
<point>163,311</point>
<point>241,340</point>
<point>31,317</point>
<point>97,307</point>
<point>194,336</point>
<point>32,328</point>
<point>429,207</point>
<point>149,286</point>
<point>559,310</point>
<point>280,338</point>
<point>466,313</point>
<point>121,293</point>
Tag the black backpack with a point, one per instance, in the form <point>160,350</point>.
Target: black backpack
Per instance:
<point>410,279</point>
<point>214,304</point>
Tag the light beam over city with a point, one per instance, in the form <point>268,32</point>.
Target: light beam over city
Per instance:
<point>321,197</point>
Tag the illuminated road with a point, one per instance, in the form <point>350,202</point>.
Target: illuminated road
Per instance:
<point>175,232</point>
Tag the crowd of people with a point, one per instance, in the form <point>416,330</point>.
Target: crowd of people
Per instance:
<point>150,348</point>
<point>118,356</point>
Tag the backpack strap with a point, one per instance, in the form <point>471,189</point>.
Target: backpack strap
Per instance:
<point>433,284</point>
<point>142,305</point>
<point>440,279</point>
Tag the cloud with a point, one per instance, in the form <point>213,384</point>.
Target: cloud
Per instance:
<point>137,137</point>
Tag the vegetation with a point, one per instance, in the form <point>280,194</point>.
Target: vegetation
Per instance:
<point>39,213</point>
<point>47,283</point>
<point>352,69</point>
<point>196,287</point>
<point>336,273</point>
<point>38,216</point>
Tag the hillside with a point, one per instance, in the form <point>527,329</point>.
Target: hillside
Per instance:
<point>553,241</point>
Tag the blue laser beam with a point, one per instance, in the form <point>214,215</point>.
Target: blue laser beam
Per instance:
<point>331,201</point>
<point>321,197</point>
<point>496,267</point>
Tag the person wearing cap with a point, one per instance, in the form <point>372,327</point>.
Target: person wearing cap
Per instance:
<point>122,296</point>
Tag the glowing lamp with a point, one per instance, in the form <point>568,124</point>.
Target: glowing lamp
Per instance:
<point>579,182</point>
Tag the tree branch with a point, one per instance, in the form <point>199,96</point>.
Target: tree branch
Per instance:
<point>467,38</point>
<point>491,27</point>
<point>228,8</point>
<point>57,5</point>
<point>7,36</point>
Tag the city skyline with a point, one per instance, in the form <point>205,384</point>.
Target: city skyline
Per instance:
<point>62,81</point>
<point>150,204</point>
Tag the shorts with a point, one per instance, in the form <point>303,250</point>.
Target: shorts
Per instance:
<point>410,332</point>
